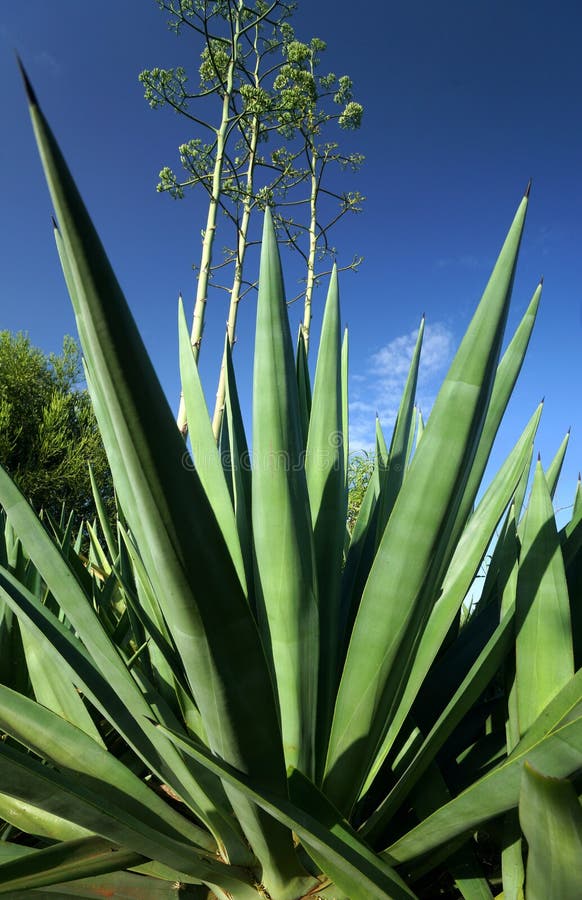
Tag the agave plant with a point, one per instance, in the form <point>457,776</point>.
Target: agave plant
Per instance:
<point>233,696</point>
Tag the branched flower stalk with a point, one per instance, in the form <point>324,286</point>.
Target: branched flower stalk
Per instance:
<point>258,101</point>
<point>222,69</point>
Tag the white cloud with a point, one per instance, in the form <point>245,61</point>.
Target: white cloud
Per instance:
<point>379,389</point>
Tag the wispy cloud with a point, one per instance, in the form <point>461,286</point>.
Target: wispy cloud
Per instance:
<point>45,60</point>
<point>379,388</point>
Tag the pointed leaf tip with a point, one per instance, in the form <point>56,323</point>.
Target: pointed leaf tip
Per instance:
<point>27,85</point>
<point>539,457</point>
<point>528,188</point>
<point>54,221</point>
<point>541,280</point>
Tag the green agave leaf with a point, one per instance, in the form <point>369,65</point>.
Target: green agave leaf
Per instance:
<point>32,820</point>
<point>181,543</point>
<point>467,558</point>
<point>70,749</point>
<point>505,379</point>
<point>103,517</point>
<point>13,667</point>
<point>72,798</point>
<point>66,861</point>
<point>326,484</point>
<point>206,455</point>
<point>452,548</point>
<point>437,474</point>
<point>303,385</point>
<point>392,477</point>
<point>120,884</point>
<point>462,863</point>
<point>108,693</point>
<point>285,566</point>
<point>551,818</point>
<point>359,555</point>
<point>239,459</point>
<point>355,866</point>
<point>544,653</point>
<point>558,753</point>
<point>479,676</point>
<point>143,603</point>
<point>555,467</point>
<point>382,451</point>
<point>512,868</point>
<point>345,404</point>
<point>308,798</point>
<point>53,687</point>
<point>98,559</point>
<point>419,432</point>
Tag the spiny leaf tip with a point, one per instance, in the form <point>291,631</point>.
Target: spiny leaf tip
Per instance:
<point>27,85</point>
<point>528,188</point>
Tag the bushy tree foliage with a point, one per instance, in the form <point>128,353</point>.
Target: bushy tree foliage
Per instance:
<point>48,431</point>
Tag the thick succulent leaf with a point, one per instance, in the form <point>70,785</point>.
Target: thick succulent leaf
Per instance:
<point>70,749</point>
<point>108,693</point>
<point>285,581</point>
<point>119,884</point>
<point>544,653</point>
<point>326,484</point>
<point>434,485</point>
<point>240,467</point>
<point>13,666</point>
<point>512,868</point>
<point>65,795</point>
<point>320,828</point>
<point>558,754</point>
<point>505,379</point>
<point>33,820</point>
<point>303,385</point>
<point>103,517</point>
<point>204,449</point>
<point>572,553</point>
<point>551,819</point>
<point>462,863</point>
<point>392,476</point>
<point>308,798</point>
<point>471,688</point>
<point>181,543</point>
<point>143,604</point>
<point>467,558</point>
<point>345,404</point>
<point>53,687</point>
<point>555,467</point>
<point>66,861</point>
<point>382,452</point>
<point>359,556</point>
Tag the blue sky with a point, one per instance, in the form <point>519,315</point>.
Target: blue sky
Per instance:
<point>464,102</point>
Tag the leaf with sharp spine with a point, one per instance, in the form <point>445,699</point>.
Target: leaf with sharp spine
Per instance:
<point>167,509</point>
<point>285,579</point>
<point>434,485</point>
